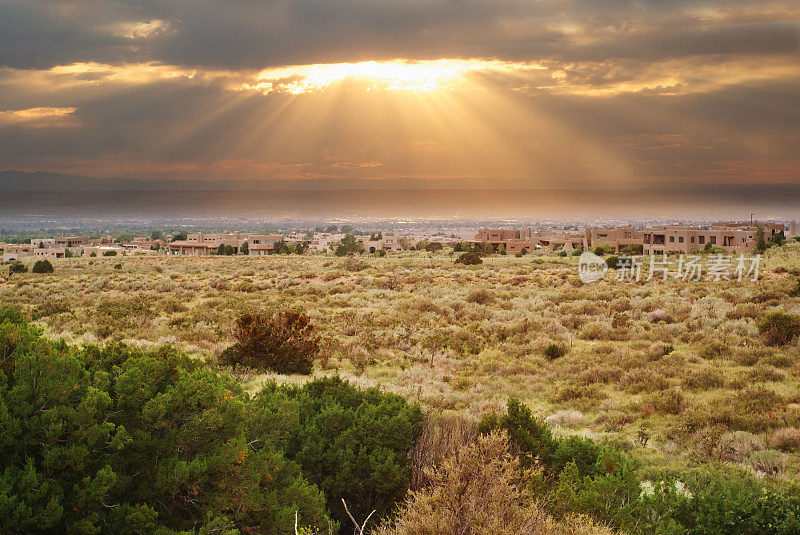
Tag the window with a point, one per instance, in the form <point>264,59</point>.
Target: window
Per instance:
<point>680,239</point>
<point>672,239</point>
<point>713,240</point>
<point>692,239</point>
<point>702,240</point>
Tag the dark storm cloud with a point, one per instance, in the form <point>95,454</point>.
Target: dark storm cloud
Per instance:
<point>694,90</point>
<point>249,34</point>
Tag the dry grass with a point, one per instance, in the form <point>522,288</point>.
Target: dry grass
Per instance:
<point>683,358</point>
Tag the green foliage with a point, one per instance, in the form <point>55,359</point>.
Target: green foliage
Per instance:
<point>42,266</point>
<point>245,248</point>
<point>117,440</point>
<point>180,235</point>
<point>349,246</point>
<point>529,437</point>
<point>433,246</point>
<point>226,250</point>
<point>603,249</point>
<point>18,267</point>
<point>795,292</point>
<point>633,250</point>
<point>469,258</point>
<point>761,243</point>
<point>157,235</point>
<point>779,238</point>
<point>612,262</point>
<point>283,342</point>
<point>554,351</point>
<point>68,253</point>
<point>354,444</point>
<point>779,328</point>
<point>110,253</point>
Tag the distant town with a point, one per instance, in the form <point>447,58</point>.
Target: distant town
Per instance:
<point>728,237</point>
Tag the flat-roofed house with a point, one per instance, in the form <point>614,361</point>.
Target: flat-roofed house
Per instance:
<point>617,238</point>
<point>793,230</point>
<point>261,244</point>
<point>201,243</point>
<point>497,236</point>
<point>684,239</point>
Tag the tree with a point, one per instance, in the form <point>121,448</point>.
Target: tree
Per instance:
<point>124,237</point>
<point>283,342</point>
<point>230,250</point>
<point>761,243</point>
<point>157,235</point>
<point>244,249</point>
<point>469,259</point>
<point>180,235</point>
<point>376,237</point>
<point>301,247</point>
<point>433,246</point>
<point>280,247</point>
<point>349,246</point>
<point>118,440</point>
<point>17,267</point>
<point>42,266</point>
<point>779,238</point>
<point>354,444</point>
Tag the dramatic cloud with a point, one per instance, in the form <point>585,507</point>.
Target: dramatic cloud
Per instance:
<point>565,92</point>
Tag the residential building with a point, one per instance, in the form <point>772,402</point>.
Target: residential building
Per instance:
<point>616,238</point>
<point>683,239</point>
<point>261,244</point>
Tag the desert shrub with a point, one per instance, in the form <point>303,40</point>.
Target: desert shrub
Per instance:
<point>786,439</point>
<point>727,501</point>
<point>442,436</point>
<point>795,291</point>
<point>769,462</point>
<point>433,246</point>
<point>354,444</point>
<point>110,253</point>
<point>779,328</point>
<point>569,418</point>
<point>42,266</point>
<point>704,379</point>
<point>633,250</point>
<point>17,267</point>
<point>643,380</point>
<point>554,351</point>
<point>737,445</point>
<point>283,342</point>
<point>603,249</point>
<point>480,296</point>
<point>660,315</point>
<point>116,440</point>
<point>469,259</point>
<point>478,490</point>
<point>612,262</point>
<point>669,402</point>
<point>529,437</point>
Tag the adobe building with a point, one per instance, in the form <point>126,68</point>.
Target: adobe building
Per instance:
<point>262,244</point>
<point>684,239</point>
<point>616,238</point>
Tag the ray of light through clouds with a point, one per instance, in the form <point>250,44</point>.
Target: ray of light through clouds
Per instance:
<point>533,93</point>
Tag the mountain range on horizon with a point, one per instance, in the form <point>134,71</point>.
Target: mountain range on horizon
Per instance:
<point>43,181</point>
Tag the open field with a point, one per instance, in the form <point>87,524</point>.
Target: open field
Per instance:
<point>673,371</point>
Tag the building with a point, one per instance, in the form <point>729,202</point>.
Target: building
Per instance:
<point>684,239</point>
<point>617,238</point>
<point>793,230</point>
<point>261,244</point>
<point>497,236</point>
<point>201,243</point>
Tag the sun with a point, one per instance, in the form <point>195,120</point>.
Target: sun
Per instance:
<point>394,75</point>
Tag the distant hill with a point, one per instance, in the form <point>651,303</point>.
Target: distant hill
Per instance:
<point>12,180</point>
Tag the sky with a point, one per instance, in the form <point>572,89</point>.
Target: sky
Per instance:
<point>550,93</point>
